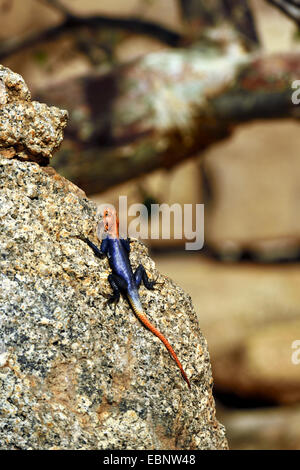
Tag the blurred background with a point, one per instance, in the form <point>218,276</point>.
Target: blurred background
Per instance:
<point>189,101</point>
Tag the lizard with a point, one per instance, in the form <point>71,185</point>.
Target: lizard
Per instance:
<point>122,278</point>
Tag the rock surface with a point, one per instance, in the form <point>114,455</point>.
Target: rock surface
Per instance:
<point>74,374</point>
<point>28,130</point>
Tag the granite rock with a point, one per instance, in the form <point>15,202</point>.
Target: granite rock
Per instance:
<point>74,373</point>
<point>29,129</point>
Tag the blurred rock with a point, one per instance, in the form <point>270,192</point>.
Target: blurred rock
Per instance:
<point>253,187</point>
<point>262,366</point>
<point>263,429</point>
<point>250,317</point>
<point>74,374</point>
<point>28,130</point>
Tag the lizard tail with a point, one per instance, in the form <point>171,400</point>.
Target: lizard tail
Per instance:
<point>142,317</point>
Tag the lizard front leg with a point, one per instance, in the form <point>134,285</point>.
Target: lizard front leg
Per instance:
<point>125,242</point>
<point>100,253</point>
<point>141,275</point>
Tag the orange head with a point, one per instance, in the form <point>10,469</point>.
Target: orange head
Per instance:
<point>110,223</point>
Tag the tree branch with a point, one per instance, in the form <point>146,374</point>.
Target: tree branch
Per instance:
<point>201,13</point>
<point>184,101</point>
<point>71,22</point>
<point>57,6</point>
<point>240,15</point>
<point>291,8</point>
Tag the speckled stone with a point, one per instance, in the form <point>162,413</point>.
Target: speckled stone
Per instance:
<point>74,372</point>
<point>34,130</point>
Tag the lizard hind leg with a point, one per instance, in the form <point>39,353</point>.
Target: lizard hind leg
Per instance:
<point>117,284</point>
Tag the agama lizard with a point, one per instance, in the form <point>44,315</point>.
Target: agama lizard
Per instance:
<point>122,279</point>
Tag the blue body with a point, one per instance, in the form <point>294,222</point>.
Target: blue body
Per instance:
<point>117,251</point>
<point>123,279</point>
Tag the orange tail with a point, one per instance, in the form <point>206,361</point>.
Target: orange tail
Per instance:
<point>142,317</point>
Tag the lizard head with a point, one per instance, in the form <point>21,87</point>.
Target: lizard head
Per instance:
<point>109,225</point>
